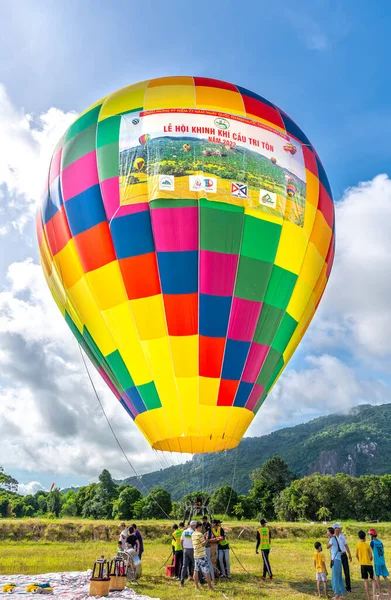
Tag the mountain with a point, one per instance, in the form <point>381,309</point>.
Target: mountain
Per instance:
<point>357,442</point>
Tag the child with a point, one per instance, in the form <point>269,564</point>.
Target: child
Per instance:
<point>364,557</point>
<point>119,549</point>
<point>320,568</point>
<point>379,560</point>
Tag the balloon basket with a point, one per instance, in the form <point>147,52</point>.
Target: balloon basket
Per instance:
<point>117,583</point>
<point>99,587</point>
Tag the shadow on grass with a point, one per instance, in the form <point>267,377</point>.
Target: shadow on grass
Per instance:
<point>239,587</point>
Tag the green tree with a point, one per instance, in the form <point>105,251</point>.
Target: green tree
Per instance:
<point>105,494</point>
<point>42,502</point>
<point>123,507</point>
<point>54,502</point>
<point>69,505</point>
<point>7,483</point>
<point>139,509</point>
<point>323,513</point>
<point>223,500</point>
<point>245,508</point>
<point>85,494</point>
<point>268,482</point>
<point>157,504</point>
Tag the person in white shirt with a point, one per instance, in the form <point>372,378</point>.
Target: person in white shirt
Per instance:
<point>345,552</point>
<point>188,552</point>
<point>123,535</point>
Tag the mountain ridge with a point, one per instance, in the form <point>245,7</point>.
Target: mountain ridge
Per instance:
<point>357,442</point>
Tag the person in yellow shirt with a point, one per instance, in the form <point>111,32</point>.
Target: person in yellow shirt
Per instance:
<point>201,563</point>
<point>364,557</point>
<point>320,569</point>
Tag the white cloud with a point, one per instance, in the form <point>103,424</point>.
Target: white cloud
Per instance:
<point>50,418</point>
<point>324,385</point>
<point>353,320</point>
<point>355,312</point>
<point>29,488</point>
<point>26,145</point>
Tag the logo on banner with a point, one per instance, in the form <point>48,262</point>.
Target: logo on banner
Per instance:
<point>222,123</point>
<point>198,183</point>
<point>268,198</point>
<point>239,190</point>
<point>166,182</point>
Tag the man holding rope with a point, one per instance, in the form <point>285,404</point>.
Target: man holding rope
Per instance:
<point>264,541</point>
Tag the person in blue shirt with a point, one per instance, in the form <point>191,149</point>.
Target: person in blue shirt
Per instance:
<point>379,561</point>
<point>336,565</point>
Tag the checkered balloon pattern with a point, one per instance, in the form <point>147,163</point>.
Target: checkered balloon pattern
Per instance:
<point>187,236</point>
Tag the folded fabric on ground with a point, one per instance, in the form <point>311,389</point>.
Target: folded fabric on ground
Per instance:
<point>67,586</point>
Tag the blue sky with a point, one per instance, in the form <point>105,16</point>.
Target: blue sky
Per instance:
<point>324,62</point>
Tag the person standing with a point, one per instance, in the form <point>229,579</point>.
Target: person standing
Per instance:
<point>205,524</point>
<point>336,565</point>
<point>380,562</point>
<point>188,552</point>
<point>207,532</point>
<point>264,542</point>
<point>132,541</point>
<point>139,538</point>
<point>177,549</point>
<point>222,549</point>
<point>201,563</point>
<point>123,535</point>
<point>345,552</point>
<point>320,569</point>
<point>364,557</point>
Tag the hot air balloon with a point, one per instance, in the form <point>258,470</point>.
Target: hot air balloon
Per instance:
<point>291,187</point>
<point>144,139</point>
<point>273,160</point>
<point>138,164</point>
<point>291,148</point>
<point>189,303</point>
<point>186,147</point>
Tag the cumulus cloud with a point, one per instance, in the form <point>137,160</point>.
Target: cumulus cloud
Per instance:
<point>29,488</point>
<point>324,385</point>
<point>355,311</point>
<point>26,145</point>
<point>50,418</point>
<point>353,320</point>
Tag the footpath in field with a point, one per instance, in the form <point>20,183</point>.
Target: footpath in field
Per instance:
<point>67,586</point>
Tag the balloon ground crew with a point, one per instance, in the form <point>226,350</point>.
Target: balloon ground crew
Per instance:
<point>264,542</point>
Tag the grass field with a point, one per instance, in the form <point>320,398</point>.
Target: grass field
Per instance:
<point>291,560</point>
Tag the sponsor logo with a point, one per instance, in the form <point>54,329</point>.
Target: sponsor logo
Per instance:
<point>268,198</point>
<point>199,183</point>
<point>136,121</point>
<point>239,190</point>
<point>166,182</point>
<point>222,123</point>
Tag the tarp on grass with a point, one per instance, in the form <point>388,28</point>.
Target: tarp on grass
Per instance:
<point>67,586</point>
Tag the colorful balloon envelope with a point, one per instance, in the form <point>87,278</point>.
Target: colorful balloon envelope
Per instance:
<point>188,282</point>
<point>138,163</point>
<point>143,139</point>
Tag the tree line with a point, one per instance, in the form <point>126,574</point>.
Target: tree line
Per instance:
<point>276,494</point>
